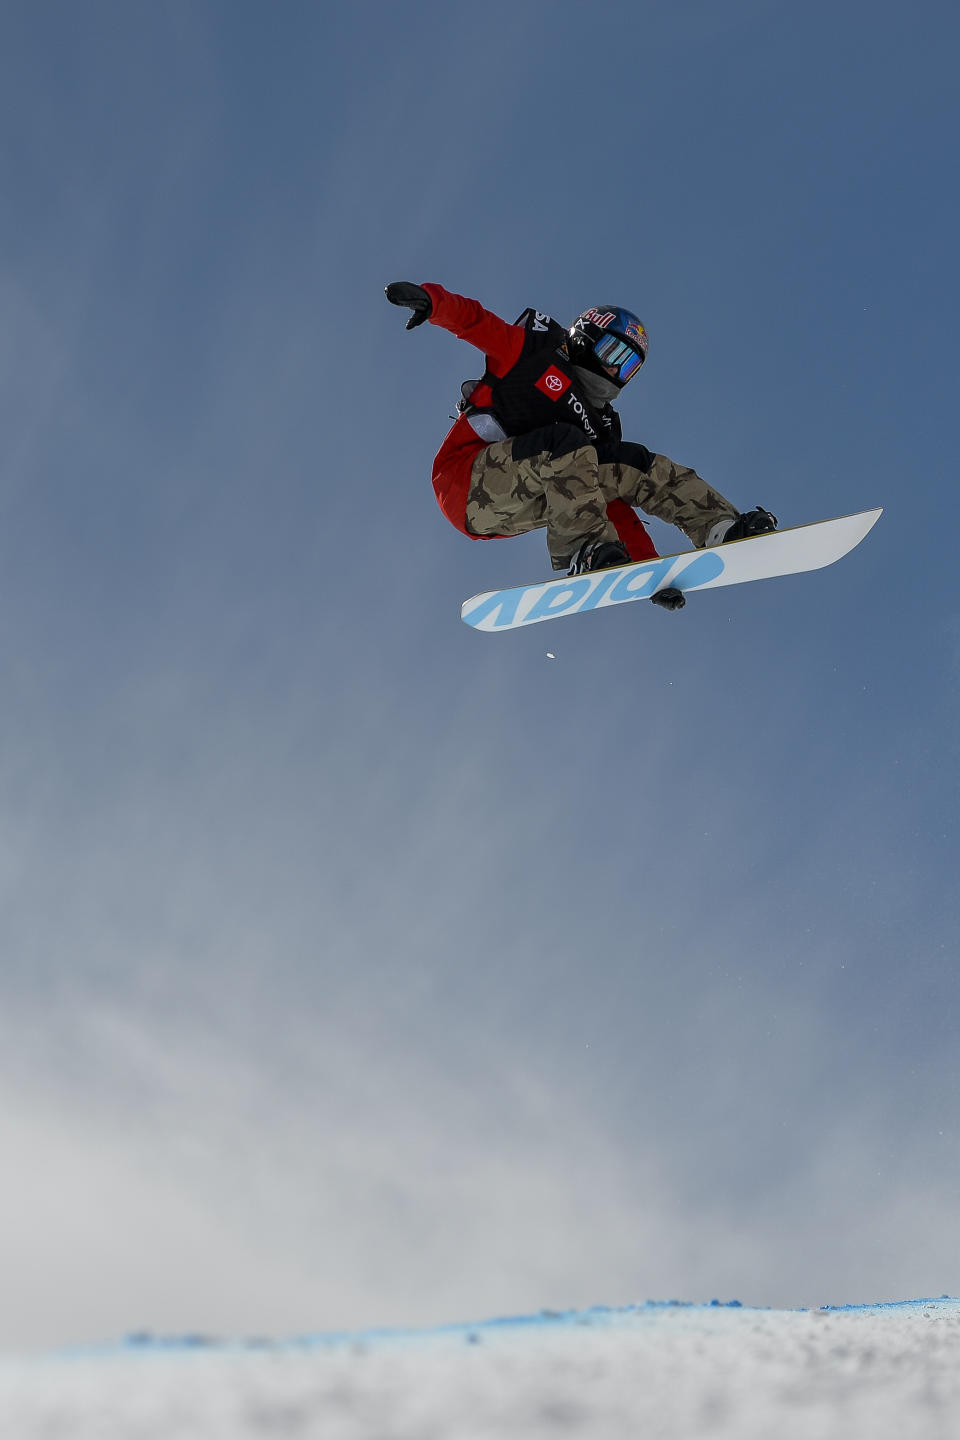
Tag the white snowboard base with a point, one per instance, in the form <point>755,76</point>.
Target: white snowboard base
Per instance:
<point>782,552</point>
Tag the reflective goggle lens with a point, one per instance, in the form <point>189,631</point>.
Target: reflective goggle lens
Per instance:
<point>611,350</point>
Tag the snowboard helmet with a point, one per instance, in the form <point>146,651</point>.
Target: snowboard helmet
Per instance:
<point>609,341</point>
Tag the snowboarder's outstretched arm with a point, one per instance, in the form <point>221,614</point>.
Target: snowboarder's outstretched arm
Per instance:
<point>467,319</point>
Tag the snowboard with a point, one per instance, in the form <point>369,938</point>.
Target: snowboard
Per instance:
<point>760,557</point>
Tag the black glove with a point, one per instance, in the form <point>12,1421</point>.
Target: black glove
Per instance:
<point>401,292</point>
<point>669,599</point>
<point>752,522</point>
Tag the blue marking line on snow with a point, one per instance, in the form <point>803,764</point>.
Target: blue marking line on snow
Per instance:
<point>891,1304</point>
<point>597,1317</point>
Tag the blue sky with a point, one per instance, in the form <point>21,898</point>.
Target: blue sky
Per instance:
<point>356,968</point>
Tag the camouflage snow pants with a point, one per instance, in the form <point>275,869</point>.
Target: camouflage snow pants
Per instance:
<point>555,478</point>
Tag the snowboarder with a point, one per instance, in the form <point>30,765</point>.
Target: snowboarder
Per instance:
<point>539,444</point>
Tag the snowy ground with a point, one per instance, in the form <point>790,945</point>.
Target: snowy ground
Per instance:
<point>661,1372</point>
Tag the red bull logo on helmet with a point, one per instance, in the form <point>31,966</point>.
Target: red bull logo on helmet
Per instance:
<point>601,318</point>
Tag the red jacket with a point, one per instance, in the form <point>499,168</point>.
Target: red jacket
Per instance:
<point>501,344</point>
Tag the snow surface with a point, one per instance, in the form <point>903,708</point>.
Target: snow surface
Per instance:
<point>660,1371</point>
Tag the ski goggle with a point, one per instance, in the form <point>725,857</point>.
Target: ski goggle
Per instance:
<point>618,355</point>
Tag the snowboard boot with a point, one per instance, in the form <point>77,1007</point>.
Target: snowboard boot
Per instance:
<point>745,526</point>
<point>599,555</point>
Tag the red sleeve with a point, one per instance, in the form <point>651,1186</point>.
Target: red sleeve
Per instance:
<point>631,530</point>
<point>501,343</point>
